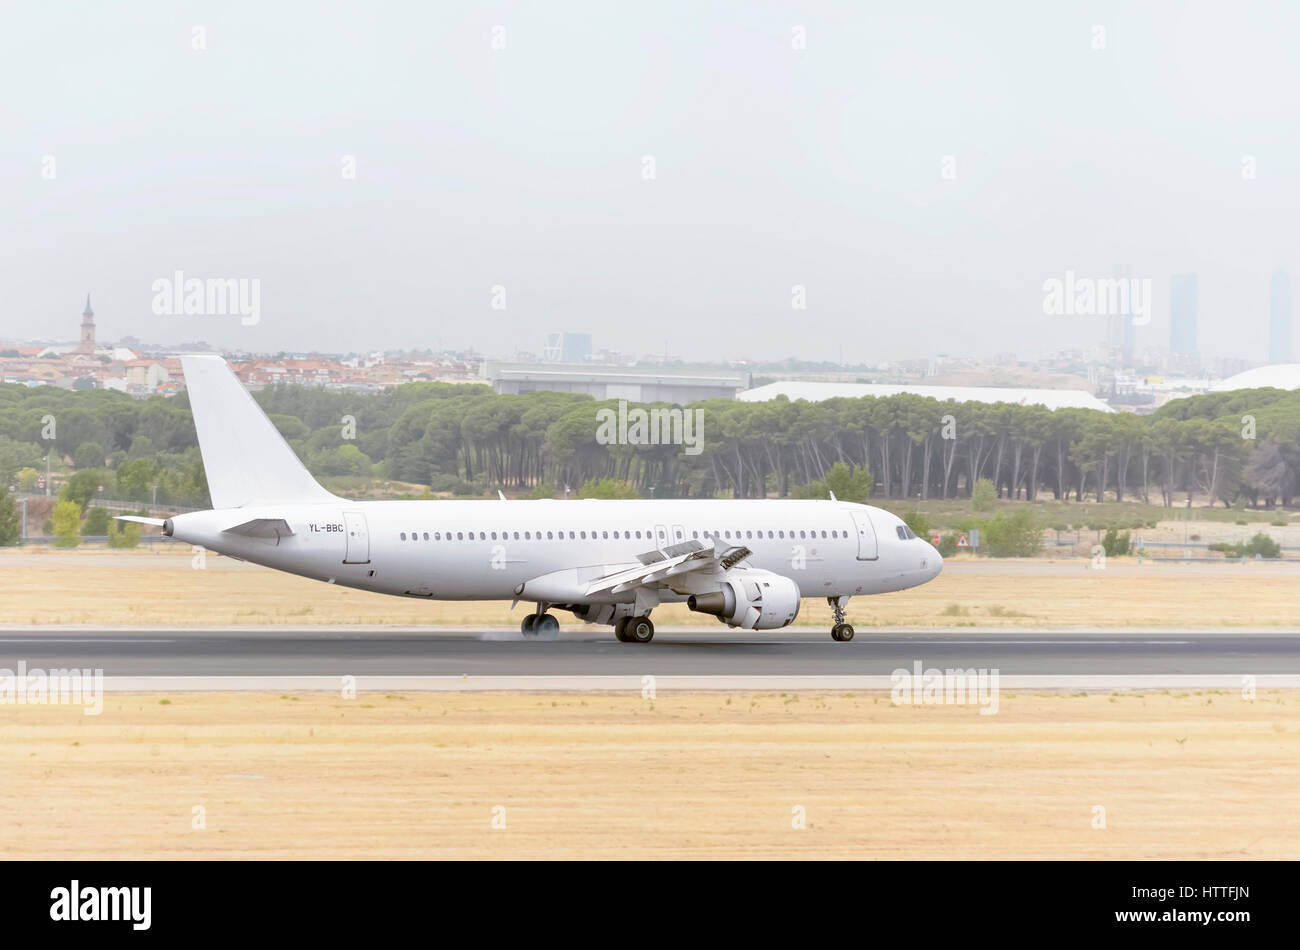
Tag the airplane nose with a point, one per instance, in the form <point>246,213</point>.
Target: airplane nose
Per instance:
<point>934,561</point>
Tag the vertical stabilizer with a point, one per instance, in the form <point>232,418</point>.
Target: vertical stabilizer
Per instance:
<point>246,459</point>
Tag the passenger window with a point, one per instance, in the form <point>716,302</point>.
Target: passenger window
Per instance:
<point>426,536</point>
<point>605,535</point>
<point>403,535</point>
<point>638,535</point>
<point>516,535</point>
<point>527,536</point>
<point>460,536</point>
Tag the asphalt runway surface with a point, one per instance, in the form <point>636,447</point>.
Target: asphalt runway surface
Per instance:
<point>672,653</point>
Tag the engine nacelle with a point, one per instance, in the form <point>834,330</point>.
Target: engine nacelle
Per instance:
<point>751,598</point>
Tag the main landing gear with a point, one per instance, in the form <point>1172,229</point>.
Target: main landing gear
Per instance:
<point>634,630</point>
<point>541,625</point>
<point>842,632</point>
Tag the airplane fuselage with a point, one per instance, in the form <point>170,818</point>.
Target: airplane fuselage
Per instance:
<point>472,550</point>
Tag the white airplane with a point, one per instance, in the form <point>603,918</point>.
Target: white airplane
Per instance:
<point>748,563</point>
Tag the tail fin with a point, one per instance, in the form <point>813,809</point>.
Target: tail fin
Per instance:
<point>246,459</point>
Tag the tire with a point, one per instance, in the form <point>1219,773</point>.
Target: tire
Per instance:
<point>846,632</point>
<point>546,626</point>
<point>639,630</point>
<point>835,632</point>
<point>620,629</point>
<point>526,625</point>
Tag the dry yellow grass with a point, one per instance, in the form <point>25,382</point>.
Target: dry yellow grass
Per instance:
<point>1187,775</point>
<point>141,588</point>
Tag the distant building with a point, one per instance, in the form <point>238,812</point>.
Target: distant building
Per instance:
<point>1279,319</point>
<point>1121,331</point>
<point>1182,315</point>
<point>1279,376</point>
<point>87,345</point>
<point>662,384</point>
<point>567,348</point>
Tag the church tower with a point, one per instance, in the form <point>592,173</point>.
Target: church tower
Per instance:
<point>87,330</point>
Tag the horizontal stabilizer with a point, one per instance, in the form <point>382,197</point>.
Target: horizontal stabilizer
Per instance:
<point>262,528</point>
<point>156,522</point>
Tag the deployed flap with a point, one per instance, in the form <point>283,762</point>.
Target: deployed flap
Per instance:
<point>672,550</point>
<point>262,528</point>
<point>655,573</point>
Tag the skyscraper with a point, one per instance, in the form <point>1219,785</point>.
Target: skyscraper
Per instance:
<point>1182,315</point>
<point>567,347</point>
<point>1121,331</point>
<point>1279,319</point>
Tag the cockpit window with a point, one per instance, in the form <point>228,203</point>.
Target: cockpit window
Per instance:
<point>905,533</point>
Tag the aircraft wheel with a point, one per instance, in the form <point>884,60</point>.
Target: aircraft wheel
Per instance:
<point>842,632</point>
<point>620,629</point>
<point>639,630</point>
<point>526,625</point>
<point>546,626</point>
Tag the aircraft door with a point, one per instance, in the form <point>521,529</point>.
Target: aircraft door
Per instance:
<point>868,546</point>
<point>358,548</point>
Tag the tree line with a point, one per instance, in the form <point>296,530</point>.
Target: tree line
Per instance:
<point>1240,446</point>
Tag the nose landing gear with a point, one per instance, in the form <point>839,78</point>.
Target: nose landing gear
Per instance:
<point>841,632</point>
<point>540,625</point>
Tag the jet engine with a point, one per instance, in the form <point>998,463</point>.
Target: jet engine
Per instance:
<point>751,598</point>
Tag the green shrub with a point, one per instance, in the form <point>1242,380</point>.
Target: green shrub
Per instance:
<point>984,495</point>
<point>1260,545</point>
<point>123,534</point>
<point>96,521</point>
<point>10,524</point>
<point>67,523</point>
<point>1014,534</point>
<point>1115,543</point>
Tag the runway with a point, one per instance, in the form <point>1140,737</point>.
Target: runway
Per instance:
<point>681,653</point>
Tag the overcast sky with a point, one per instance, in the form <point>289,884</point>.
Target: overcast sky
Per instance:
<point>524,167</point>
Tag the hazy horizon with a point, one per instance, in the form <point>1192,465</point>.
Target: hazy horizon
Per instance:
<point>523,167</point>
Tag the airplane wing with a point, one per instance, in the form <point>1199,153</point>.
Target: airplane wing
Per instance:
<point>657,568</point>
